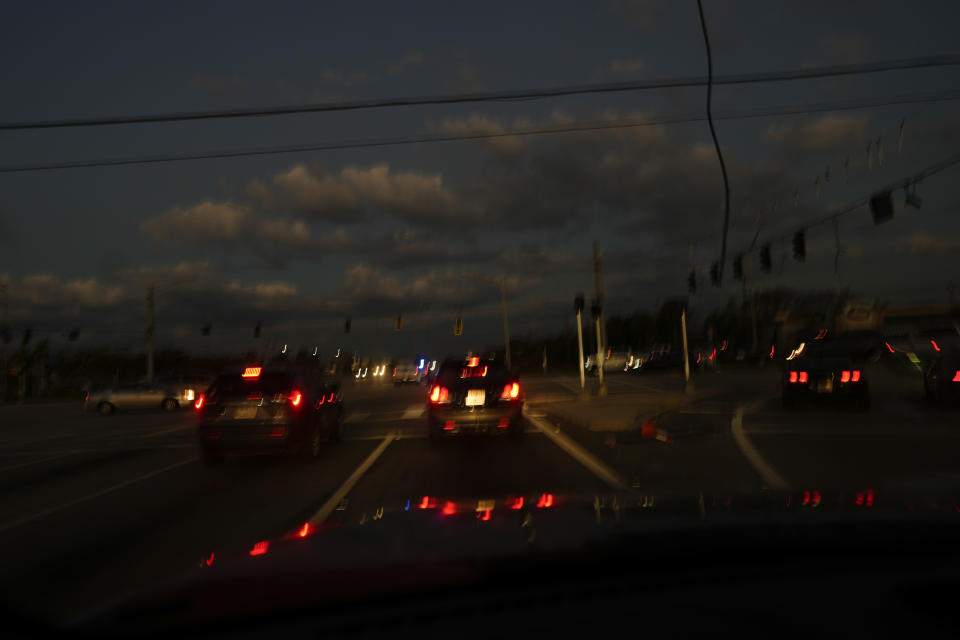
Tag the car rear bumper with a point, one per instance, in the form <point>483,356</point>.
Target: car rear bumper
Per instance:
<point>258,438</point>
<point>484,420</point>
<point>837,393</point>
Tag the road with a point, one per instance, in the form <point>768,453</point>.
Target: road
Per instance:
<point>94,507</point>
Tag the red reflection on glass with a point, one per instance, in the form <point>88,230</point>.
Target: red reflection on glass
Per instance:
<point>771,350</point>
<point>304,530</point>
<point>260,548</point>
<point>515,503</point>
<point>449,425</point>
<point>545,501</point>
<point>449,508</point>
<point>504,423</point>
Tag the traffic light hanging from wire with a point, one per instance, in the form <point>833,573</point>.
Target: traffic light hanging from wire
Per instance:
<point>766,261</point>
<point>800,245</point>
<point>715,274</point>
<point>256,331</point>
<point>458,327</point>
<point>738,267</point>
<point>399,323</point>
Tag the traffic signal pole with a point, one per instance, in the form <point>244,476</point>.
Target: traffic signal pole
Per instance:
<point>149,334</point>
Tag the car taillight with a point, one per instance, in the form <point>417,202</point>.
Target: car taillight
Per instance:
<point>793,376</point>
<point>439,395</point>
<point>891,349</point>
<point>956,376</point>
<point>844,376</point>
<point>936,347</point>
<point>510,391</point>
<point>199,402</point>
<point>295,398</point>
<point>803,377</point>
<point>854,376</point>
<point>332,398</point>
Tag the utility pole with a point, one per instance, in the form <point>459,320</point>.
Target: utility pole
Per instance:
<point>601,323</point>
<point>506,323</point>
<point>686,352</point>
<point>150,333</point>
<point>578,305</point>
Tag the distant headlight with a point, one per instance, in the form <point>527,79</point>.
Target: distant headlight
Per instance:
<point>189,394</point>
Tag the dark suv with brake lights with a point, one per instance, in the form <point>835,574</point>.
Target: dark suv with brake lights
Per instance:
<point>817,376</point>
<point>263,410</point>
<point>474,396</point>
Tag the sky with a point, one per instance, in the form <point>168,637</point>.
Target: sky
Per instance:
<point>300,241</point>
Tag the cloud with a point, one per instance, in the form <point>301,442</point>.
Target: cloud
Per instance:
<point>207,220</point>
<point>453,287</point>
<point>925,243</point>
<point>186,270</point>
<point>45,289</point>
<point>264,290</point>
<point>630,67</point>
<point>479,124</point>
<point>417,196</point>
<point>220,87</point>
<point>410,59</point>
<point>639,14</point>
<point>826,133</point>
<point>843,48</point>
<point>285,232</point>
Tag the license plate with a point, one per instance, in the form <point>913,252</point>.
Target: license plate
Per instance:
<point>476,397</point>
<point>825,386</point>
<point>245,413</point>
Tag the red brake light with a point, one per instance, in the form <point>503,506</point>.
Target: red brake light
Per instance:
<point>295,398</point>
<point>449,508</point>
<point>209,561</point>
<point>844,376</point>
<point>474,361</point>
<point>252,372</point>
<point>515,503</point>
<point>439,395</point>
<point>428,503</point>
<point>793,376</point>
<point>956,376</point>
<point>854,376</point>
<point>889,347</point>
<point>332,398</point>
<point>936,347</point>
<point>199,402</point>
<point>304,530</point>
<point>803,377</point>
<point>260,548</point>
<point>510,391</point>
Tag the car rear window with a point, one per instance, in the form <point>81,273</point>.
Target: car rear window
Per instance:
<point>236,385</point>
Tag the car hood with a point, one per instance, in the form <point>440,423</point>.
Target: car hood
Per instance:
<point>433,544</point>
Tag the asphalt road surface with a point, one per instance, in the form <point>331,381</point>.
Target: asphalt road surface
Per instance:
<point>94,507</point>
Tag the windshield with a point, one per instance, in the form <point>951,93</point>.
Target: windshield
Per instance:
<point>280,267</point>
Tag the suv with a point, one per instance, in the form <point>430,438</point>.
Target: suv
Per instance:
<point>267,410</point>
<point>474,396</point>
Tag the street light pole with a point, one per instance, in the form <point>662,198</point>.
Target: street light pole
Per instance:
<point>686,352</point>
<point>583,377</point>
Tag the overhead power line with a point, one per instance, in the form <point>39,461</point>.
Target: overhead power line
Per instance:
<point>809,73</point>
<point>425,138</point>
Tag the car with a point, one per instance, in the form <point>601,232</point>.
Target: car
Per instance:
<point>474,396</point>
<point>824,375</point>
<point>406,371</point>
<point>137,395</point>
<point>268,410</point>
<point>941,379</point>
<point>188,388</point>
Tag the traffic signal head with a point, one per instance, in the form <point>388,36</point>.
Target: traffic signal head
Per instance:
<point>692,282</point>
<point>578,303</point>
<point>73,335</point>
<point>881,207</point>
<point>766,261</point>
<point>256,331</point>
<point>738,267</point>
<point>205,330</point>
<point>800,245</point>
<point>346,325</point>
<point>715,274</point>
<point>399,323</point>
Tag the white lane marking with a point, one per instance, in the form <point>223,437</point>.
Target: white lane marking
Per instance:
<point>773,479</point>
<point>355,417</point>
<point>96,494</point>
<point>577,452</point>
<point>324,512</point>
<point>413,411</point>
<point>33,462</point>
<point>179,427</point>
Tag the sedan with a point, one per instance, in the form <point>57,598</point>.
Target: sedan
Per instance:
<point>139,395</point>
<point>474,396</point>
